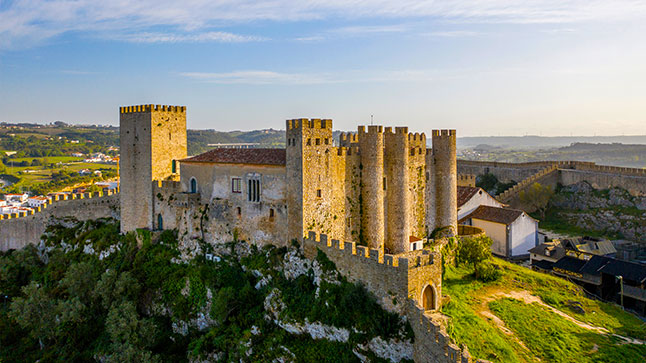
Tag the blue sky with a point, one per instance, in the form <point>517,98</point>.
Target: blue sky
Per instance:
<point>495,67</point>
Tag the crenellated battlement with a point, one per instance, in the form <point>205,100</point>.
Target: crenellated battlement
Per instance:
<point>315,123</point>
<point>58,198</point>
<point>443,133</point>
<point>466,180</point>
<point>363,253</point>
<point>346,138</point>
<point>372,129</point>
<point>151,107</point>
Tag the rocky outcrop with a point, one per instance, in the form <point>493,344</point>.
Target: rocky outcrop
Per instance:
<point>613,211</point>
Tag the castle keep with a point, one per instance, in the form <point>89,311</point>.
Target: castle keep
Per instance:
<point>152,138</point>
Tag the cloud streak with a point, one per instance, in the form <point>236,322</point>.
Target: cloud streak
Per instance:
<point>258,77</point>
<point>28,22</point>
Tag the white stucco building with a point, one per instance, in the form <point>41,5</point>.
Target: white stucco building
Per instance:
<point>513,231</point>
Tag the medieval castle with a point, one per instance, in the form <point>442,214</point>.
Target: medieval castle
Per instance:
<point>381,188</point>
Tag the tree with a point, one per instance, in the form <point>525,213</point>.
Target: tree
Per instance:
<point>537,196</point>
<point>474,250</point>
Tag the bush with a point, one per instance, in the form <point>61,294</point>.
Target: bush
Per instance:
<point>488,272</point>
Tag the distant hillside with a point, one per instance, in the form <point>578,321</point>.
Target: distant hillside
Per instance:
<point>615,154</point>
<point>538,142</point>
<point>198,140</point>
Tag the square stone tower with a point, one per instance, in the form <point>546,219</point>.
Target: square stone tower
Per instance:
<point>152,138</point>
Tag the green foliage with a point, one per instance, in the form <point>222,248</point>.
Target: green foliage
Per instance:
<point>537,197</point>
<point>544,333</point>
<point>492,185</point>
<point>555,339</point>
<point>122,308</point>
<point>474,251</point>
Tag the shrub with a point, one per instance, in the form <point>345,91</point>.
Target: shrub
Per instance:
<point>488,272</point>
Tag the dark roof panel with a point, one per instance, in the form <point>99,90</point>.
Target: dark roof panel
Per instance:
<point>569,264</point>
<point>495,214</point>
<point>240,156</point>
<point>466,193</point>
<point>628,270</point>
<point>543,264</point>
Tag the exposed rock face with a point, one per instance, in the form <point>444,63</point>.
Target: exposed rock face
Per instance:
<point>614,211</point>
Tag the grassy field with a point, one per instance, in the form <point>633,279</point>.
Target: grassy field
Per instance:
<point>528,316</point>
<point>38,174</point>
<point>49,159</point>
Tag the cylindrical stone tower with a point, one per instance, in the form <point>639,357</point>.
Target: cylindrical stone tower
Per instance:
<point>446,184</point>
<point>371,145</point>
<point>397,193</point>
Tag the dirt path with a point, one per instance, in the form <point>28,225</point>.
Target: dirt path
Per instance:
<point>528,298</point>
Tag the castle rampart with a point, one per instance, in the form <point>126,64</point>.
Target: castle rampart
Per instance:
<point>19,231</point>
<point>371,144</point>
<point>404,280</point>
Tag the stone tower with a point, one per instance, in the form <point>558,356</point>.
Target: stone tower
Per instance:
<point>371,144</point>
<point>444,174</point>
<point>152,138</point>
<point>309,190</point>
<point>396,187</point>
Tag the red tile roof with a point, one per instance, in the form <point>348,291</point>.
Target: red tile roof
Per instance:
<point>240,156</point>
<point>495,214</point>
<point>466,193</point>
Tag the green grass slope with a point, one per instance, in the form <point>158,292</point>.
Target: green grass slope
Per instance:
<point>527,316</point>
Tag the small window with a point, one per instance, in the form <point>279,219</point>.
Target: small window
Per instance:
<point>318,141</point>
<point>236,185</point>
<point>239,211</point>
<point>173,166</point>
<point>327,141</point>
<point>309,142</point>
<point>253,190</point>
<point>318,193</point>
<point>160,222</point>
<point>271,213</point>
<point>384,183</point>
<point>412,152</point>
<point>193,185</point>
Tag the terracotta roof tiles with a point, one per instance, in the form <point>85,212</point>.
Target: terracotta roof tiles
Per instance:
<point>495,214</point>
<point>240,156</point>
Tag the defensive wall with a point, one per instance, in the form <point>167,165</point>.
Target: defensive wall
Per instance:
<point>19,230</point>
<point>409,279</point>
<point>555,172</point>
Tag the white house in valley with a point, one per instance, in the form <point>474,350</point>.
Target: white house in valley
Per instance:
<point>513,231</point>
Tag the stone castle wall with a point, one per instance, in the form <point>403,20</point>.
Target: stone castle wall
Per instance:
<point>570,172</point>
<point>18,232</point>
<point>397,281</point>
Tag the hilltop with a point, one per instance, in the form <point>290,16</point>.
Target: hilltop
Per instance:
<point>88,293</point>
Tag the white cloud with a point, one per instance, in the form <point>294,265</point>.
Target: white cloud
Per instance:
<point>26,22</point>
<point>257,77</point>
<point>451,34</point>
<point>223,37</point>
<point>271,77</point>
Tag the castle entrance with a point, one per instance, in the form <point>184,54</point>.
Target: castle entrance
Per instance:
<point>428,298</point>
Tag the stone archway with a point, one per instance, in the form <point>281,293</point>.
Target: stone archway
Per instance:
<point>428,299</point>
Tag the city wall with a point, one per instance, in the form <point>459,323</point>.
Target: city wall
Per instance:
<point>399,278</point>
<point>18,231</point>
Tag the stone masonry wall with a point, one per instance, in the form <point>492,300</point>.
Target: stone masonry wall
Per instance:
<point>16,233</point>
<point>395,279</point>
